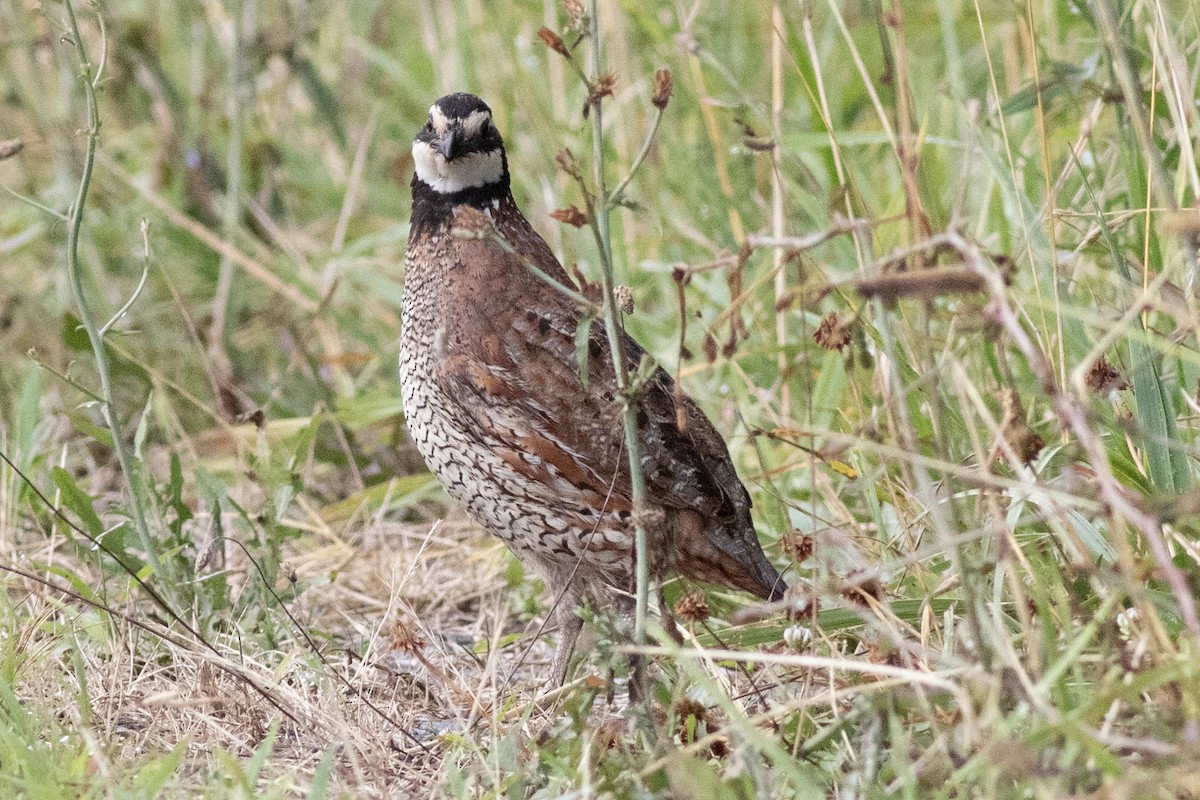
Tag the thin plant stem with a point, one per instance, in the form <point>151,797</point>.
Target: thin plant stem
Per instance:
<point>612,326</point>
<point>132,298</point>
<point>777,200</point>
<point>614,197</point>
<point>232,209</point>
<point>95,334</point>
<point>29,201</point>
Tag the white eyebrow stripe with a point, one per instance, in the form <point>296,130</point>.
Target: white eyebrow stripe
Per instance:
<point>440,122</point>
<point>475,121</point>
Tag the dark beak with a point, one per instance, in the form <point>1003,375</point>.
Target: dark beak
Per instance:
<point>449,144</point>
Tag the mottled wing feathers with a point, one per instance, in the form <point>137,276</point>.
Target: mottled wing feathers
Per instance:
<point>523,369</point>
<point>499,402</point>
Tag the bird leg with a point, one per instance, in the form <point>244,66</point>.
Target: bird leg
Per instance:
<point>569,626</point>
<point>637,676</point>
<point>668,619</point>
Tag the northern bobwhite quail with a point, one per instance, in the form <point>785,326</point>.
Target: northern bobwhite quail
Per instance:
<point>495,403</point>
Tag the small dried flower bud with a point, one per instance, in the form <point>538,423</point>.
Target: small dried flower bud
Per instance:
<point>603,87</point>
<point>571,216</point>
<point>832,334</point>
<point>663,85</point>
<point>860,585</point>
<point>554,42</point>
<point>10,147</point>
<point>692,607</point>
<point>624,297</point>
<point>567,163</point>
<point>688,708</point>
<point>1025,441</point>
<point>695,722</point>
<point>1103,378</point>
<point>606,84</point>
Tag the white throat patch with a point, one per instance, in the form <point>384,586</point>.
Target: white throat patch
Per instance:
<point>467,172</point>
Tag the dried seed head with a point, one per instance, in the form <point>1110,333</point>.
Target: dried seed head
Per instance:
<point>832,333</point>
<point>1103,378</point>
<point>862,584</point>
<point>694,711</point>
<point>624,297</point>
<point>692,607</point>
<point>797,545</point>
<point>1027,444</point>
<point>571,216</point>
<point>1024,441</point>
<point>406,638</point>
<point>688,708</point>
<point>554,42</point>
<point>663,84</point>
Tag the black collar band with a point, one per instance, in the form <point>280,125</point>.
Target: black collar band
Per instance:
<point>433,209</point>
